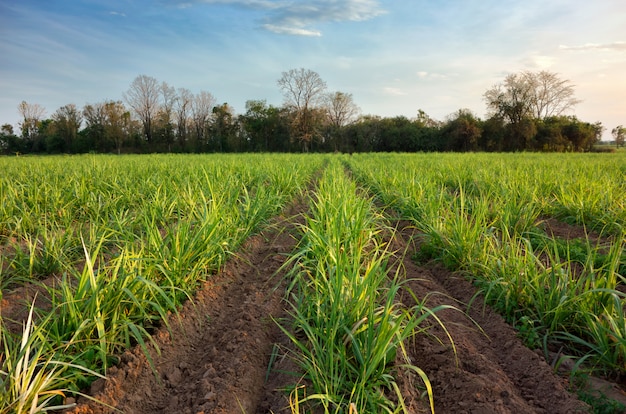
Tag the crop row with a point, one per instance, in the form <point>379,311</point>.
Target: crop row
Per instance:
<point>126,240</point>
<point>485,215</point>
<point>347,326</point>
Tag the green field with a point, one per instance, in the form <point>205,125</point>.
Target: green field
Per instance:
<point>129,238</point>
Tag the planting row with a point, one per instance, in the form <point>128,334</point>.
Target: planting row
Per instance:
<point>127,240</point>
<point>490,217</point>
<point>348,327</point>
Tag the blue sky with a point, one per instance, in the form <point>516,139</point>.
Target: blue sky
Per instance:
<point>393,56</point>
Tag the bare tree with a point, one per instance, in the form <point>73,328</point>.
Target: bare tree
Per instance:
<point>32,115</point>
<point>552,95</point>
<point>183,105</point>
<point>168,99</point>
<point>340,111</point>
<point>530,95</point>
<point>303,90</point>
<point>143,98</point>
<point>341,108</point>
<point>619,133</point>
<point>201,110</point>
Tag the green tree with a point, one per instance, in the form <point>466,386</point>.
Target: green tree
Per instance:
<point>266,128</point>
<point>9,142</point>
<point>67,121</point>
<point>619,135</point>
<point>224,129</point>
<point>118,125</point>
<point>463,131</point>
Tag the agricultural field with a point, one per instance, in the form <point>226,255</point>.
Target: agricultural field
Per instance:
<point>312,283</point>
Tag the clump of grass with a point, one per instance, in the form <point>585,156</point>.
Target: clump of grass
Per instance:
<point>32,380</point>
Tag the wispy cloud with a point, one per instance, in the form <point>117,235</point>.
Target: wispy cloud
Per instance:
<point>300,17</point>
<point>394,91</point>
<point>431,75</point>
<point>291,30</point>
<point>114,13</point>
<point>615,46</point>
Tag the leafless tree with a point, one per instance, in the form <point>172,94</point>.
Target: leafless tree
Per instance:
<point>201,110</point>
<point>303,90</point>
<point>168,99</point>
<point>340,111</point>
<point>552,96</point>
<point>340,108</point>
<point>183,107</point>
<point>531,95</point>
<point>32,115</point>
<point>143,98</point>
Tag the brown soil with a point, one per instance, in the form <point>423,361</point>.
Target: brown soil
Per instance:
<point>217,358</point>
<point>486,368</point>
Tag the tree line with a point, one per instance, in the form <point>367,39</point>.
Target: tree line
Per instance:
<point>526,112</point>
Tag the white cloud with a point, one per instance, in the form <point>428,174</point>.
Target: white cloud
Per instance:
<point>615,46</point>
<point>394,91</point>
<point>431,75</point>
<point>300,17</point>
<point>114,13</point>
<point>291,30</point>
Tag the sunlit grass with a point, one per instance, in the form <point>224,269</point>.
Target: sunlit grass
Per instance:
<point>349,329</point>
<point>481,214</point>
<point>128,240</point>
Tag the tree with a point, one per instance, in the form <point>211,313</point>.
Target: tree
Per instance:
<point>463,131</point>
<point>224,129</point>
<point>265,127</point>
<point>552,96</point>
<point>527,94</point>
<point>165,114</point>
<point>303,90</point>
<point>341,110</point>
<point>183,105</point>
<point>32,115</point>
<point>93,134</point>
<point>201,110</point>
<point>67,120</point>
<point>108,126</point>
<point>526,97</point>
<point>118,124</point>
<point>9,142</point>
<point>143,98</point>
<point>619,134</point>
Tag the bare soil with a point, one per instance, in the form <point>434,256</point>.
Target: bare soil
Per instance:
<point>217,358</point>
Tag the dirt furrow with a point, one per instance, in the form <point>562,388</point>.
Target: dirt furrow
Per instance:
<point>492,371</point>
<point>217,357</point>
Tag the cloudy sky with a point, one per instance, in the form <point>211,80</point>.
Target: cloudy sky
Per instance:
<point>393,56</point>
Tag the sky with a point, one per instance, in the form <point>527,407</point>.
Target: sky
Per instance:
<point>394,56</point>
